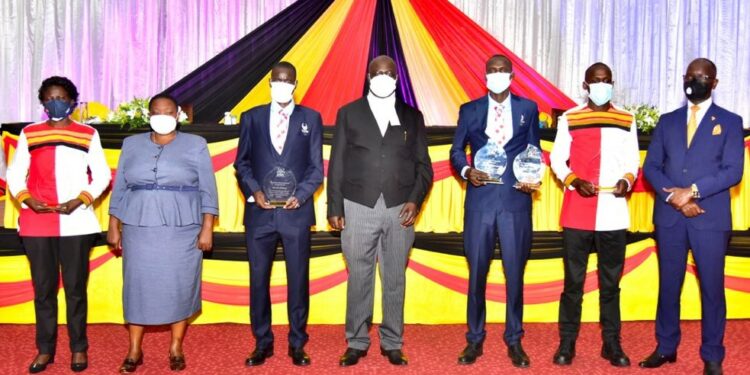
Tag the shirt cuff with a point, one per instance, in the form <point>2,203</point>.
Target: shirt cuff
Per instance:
<point>23,195</point>
<point>86,198</point>
<point>569,179</point>
<point>669,197</point>
<point>630,179</point>
<point>463,172</point>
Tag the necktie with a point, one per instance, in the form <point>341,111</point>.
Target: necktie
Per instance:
<point>281,129</point>
<point>692,125</point>
<point>499,135</point>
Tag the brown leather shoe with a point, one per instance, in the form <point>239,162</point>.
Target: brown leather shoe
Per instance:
<point>130,365</point>
<point>177,362</point>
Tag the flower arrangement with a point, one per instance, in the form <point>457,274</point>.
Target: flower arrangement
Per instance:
<point>646,116</point>
<point>134,114</point>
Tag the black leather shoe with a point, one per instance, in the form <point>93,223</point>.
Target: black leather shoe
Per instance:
<point>177,362</point>
<point>351,357</point>
<point>39,366</point>
<point>471,352</point>
<point>612,351</point>
<point>130,365</point>
<point>259,356</point>
<point>80,365</point>
<point>565,353</point>
<point>299,357</point>
<point>518,357</point>
<point>656,360</point>
<point>712,368</point>
<point>395,357</point>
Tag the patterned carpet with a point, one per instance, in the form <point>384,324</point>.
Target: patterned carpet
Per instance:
<point>222,348</point>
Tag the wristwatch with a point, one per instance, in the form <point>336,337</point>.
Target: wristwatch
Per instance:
<point>694,190</point>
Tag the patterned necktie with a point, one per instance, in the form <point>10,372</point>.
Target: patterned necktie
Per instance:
<point>281,129</point>
<point>499,135</point>
<point>692,124</point>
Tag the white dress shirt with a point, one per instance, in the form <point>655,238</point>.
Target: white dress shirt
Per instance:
<point>499,124</point>
<point>384,110</point>
<point>279,124</point>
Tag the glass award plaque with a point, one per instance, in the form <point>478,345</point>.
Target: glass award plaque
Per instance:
<point>279,185</point>
<point>528,166</point>
<point>491,159</point>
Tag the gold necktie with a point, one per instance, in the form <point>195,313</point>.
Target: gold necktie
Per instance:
<point>692,125</point>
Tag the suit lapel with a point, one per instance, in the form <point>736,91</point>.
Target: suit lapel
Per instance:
<point>483,107</point>
<point>295,121</point>
<point>518,117</point>
<point>705,128</point>
<point>265,128</point>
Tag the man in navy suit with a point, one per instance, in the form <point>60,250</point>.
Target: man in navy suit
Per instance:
<point>696,154</point>
<point>496,209</point>
<point>280,134</point>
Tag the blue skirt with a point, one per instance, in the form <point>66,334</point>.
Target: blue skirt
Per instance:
<point>161,269</point>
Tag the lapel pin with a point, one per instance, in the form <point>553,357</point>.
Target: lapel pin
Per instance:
<point>305,129</point>
<point>523,120</point>
<point>713,118</point>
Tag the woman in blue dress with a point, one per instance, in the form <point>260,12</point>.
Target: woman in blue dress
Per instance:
<point>162,211</point>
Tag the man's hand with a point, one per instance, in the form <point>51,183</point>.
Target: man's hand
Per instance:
<point>38,206</point>
<point>621,189</point>
<point>260,200</point>
<point>292,203</point>
<point>408,214</point>
<point>114,238</point>
<point>584,188</point>
<point>527,188</point>
<point>336,222</point>
<point>69,206</point>
<point>477,177</point>
<point>680,196</point>
<point>691,209</point>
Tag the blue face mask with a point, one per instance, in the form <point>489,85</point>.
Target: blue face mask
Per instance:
<point>58,109</point>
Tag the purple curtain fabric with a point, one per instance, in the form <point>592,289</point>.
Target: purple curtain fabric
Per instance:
<point>385,41</point>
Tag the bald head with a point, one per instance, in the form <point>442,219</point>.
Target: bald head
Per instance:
<point>382,65</point>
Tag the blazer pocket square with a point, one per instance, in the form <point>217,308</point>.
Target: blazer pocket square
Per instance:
<point>717,130</point>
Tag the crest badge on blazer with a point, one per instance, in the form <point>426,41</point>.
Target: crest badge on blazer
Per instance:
<point>305,129</point>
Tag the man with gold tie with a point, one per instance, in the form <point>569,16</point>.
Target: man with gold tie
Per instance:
<point>696,155</point>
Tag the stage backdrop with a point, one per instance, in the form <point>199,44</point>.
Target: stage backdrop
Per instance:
<point>436,283</point>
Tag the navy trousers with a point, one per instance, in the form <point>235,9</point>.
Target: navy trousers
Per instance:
<point>481,232</point>
<point>709,249</point>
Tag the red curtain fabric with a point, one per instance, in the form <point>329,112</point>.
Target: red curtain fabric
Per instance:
<point>466,48</point>
<point>342,76</point>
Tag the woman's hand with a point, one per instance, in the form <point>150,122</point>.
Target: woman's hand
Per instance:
<point>206,239</point>
<point>38,206</point>
<point>114,236</point>
<point>69,206</point>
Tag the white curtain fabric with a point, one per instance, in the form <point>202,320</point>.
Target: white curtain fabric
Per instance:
<point>113,50</point>
<point>648,44</point>
<point>117,49</point>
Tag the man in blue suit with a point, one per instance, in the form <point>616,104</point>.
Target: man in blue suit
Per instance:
<point>696,154</point>
<point>496,209</point>
<point>289,136</point>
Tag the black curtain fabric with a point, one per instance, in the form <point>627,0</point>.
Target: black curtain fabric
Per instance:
<point>385,41</point>
<point>219,84</point>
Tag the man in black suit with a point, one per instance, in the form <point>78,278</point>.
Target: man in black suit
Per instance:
<point>379,174</point>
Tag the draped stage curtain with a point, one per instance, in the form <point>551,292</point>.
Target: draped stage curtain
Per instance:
<point>648,44</point>
<point>115,50</point>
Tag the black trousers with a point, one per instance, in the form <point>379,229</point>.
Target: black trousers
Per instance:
<point>47,255</point>
<point>577,244</point>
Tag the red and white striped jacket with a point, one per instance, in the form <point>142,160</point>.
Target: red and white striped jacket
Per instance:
<point>55,165</point>
<point>602,148</point>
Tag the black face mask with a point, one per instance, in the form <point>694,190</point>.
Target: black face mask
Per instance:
<point>696,90</point>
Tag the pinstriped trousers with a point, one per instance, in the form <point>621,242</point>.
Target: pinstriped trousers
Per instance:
<point>375,235</point>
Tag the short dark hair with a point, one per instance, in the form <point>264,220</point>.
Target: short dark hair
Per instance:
<point>502,58</point>
<point>711,66</point>
<point>63,82</point>
<point>286,65</point>
<point>163,95</point>
<point>594,67</point>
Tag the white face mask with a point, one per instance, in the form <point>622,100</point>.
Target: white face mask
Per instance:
<point>382,86</point>
<point>600,93</point>
<point>498,82</point>
<point>163,124</point>
<point>281,92</point>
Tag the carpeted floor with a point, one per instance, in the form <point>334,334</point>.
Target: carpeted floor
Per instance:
<point>222,348</point>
